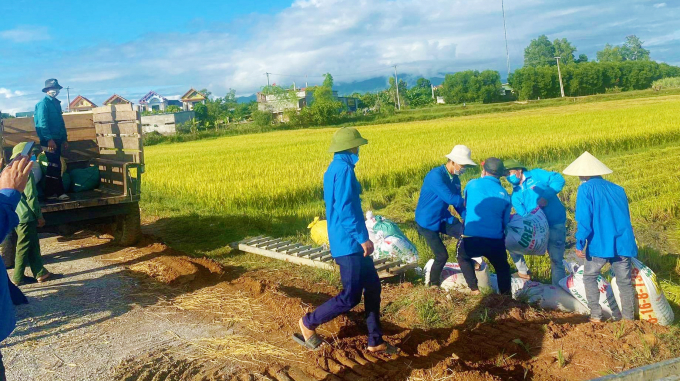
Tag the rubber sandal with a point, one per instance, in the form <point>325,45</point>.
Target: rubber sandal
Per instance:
<point>313,343</point>
<point>49,276</point>
<point>390,350</point>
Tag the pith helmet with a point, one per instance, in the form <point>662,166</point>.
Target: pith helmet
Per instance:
<point>51,84</point>
<point>346,138</point>
<point>513,164</point>
<point>587,165</point>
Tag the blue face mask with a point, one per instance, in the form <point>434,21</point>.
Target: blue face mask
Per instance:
<point>513,179</point>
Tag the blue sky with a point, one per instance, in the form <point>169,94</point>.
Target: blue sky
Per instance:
<point>130,47</point>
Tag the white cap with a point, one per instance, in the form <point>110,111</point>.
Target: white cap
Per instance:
<point>460,154</point>
<point>587,165</point>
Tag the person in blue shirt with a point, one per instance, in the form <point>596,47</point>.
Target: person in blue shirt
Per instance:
<point>487,208</point>
<point>13,180</point>
<point>51,130</point>
<point>533,189</point>
<point>350,247</point>
<point>441,189</point>
<point>604,233</point>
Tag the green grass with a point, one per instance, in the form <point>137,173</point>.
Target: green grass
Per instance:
<point>200,196</point>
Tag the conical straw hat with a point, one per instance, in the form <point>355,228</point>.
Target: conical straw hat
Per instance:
<point>587,165</point>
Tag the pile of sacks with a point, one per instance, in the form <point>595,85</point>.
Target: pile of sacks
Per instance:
<point>389,241</point>
<point>652,305</point>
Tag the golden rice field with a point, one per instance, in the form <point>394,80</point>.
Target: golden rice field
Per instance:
<point>205,194</point>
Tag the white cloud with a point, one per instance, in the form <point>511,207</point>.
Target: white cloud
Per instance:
<point>659,5</point>
<point>23,34</point>
<point>7,93</point>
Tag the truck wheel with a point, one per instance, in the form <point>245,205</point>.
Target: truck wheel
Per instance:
<point>8,249</point>
<point>128,229</point>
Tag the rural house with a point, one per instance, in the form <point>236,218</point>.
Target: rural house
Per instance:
<point>277,104</point>
<point>153,101</point>
<point>190,98</point>
<point>116,100</point>
<point>80,103</point>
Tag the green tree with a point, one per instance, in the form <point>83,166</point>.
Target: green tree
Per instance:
<point>610,54</point>
<point>420,94</point>
<point>172,109</point>
<point>582,58</point>
<point>540,52</point>
<point>325,109</point>
<point>402,91</point>
<point>472,86</point>
<point>632,49</point>
<point>565,50</point>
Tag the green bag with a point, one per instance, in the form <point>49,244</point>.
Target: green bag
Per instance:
<point>85,179</point>
<point>387,227</point>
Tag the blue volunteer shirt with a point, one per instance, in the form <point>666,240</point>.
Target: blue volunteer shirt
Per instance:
<point>603,220</point>
<point>487,208</point>
<point>440,189</point>
<point>9,199</point>
<point>538,184</point>
<point>341,190</point>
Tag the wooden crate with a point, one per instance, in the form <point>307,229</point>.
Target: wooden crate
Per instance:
<point>118,133</point>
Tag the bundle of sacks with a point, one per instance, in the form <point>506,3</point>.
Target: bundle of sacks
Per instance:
<point>389,241</point>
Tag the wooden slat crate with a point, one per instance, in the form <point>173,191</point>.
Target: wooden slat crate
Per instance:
<point>118,133</point>
<point>312,256</point>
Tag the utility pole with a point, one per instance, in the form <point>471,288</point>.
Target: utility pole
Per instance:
<point>559,73</point>
<point>306,85</point>
<point>505,32</point>
<point>267,79</point>
<point>396,84</point>
<point>432,86</point>
<point>68,99</point>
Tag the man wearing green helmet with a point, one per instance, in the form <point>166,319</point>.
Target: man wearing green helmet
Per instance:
<point>538,188</point>
<point>350,247</point>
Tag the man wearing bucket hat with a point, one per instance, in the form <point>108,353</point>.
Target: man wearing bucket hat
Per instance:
<point>487,209</point>
<point>51,129</point>
<point>539,188</point>
<point>604,233</point>
<point>350,247</point>
<point>441,189</point>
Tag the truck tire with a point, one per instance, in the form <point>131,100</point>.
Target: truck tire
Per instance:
<point>128,228</point>
<point>8,249</point>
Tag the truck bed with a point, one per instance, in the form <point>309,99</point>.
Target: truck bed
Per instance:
<point>96,197</point>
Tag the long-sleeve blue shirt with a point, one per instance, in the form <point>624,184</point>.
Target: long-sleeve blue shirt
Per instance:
<point>49,122</point>
<point>440,189</point>
<point>603,220</point>
<point>487,207</point>
<point>9,199</point>
<point>539,183</point>
<point>341,191</point>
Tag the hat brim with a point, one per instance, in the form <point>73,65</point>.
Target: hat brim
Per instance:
<point>358,142</point>
<point>46,89</point>
<point>460,160</point>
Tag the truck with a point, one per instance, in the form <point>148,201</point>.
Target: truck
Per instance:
<point>109,138</point>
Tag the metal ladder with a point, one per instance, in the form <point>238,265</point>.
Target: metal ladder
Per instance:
<point>312,256</point>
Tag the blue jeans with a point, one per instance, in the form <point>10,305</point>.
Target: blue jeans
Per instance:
<point>621,266</point>
<point>358,276</point>
<point>556,246</point>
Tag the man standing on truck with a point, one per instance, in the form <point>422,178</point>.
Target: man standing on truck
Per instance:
<point>51,129</point>
<point>441,189</point>
<point>350,247</point>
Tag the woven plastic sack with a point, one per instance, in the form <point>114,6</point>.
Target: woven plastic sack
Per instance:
<point>651,305</point>
<point>319,231</point>
<point>527,235</point>
<point>452,276</point>
<point>545,296</point>
<point>389,241</point>
<point>84,179</point>
<point>573,284</point>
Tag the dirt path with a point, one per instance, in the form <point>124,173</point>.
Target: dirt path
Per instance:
<point>150,313</point>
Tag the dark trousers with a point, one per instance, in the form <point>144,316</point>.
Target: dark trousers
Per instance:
<point>358,276</point>
<point>2,370</point>
<point>494,251</point>
<point>434,241</point>
<point>53,183</point>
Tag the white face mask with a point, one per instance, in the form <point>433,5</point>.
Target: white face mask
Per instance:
<point>53,93</point>
<point>459,172</point>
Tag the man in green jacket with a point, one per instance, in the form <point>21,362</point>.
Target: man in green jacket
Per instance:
<point>51,129</point>
<point>28,243</point>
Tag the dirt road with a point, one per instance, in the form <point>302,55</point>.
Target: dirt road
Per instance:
<point>150,313</point>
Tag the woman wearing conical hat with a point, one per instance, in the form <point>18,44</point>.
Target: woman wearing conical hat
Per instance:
<point>604,233</point>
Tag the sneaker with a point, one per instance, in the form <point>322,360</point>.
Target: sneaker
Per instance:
<point>63,197</point>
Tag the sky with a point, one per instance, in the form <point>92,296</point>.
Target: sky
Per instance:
<point>131,47</point>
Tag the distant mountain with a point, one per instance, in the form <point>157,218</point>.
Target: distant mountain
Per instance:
<point>368,85</point>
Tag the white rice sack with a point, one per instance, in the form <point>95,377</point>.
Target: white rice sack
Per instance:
<point>397,248</point>
<point>573,284</point>
<point>527,235</point>
<point>452,277</point>
<point>651,305</point>
<point>546,296</point>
